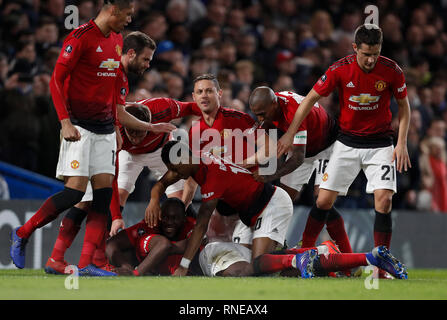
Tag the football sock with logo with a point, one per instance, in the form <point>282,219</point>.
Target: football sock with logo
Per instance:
<point>50,209</point>
<point>315,223</point>
<point>271,263</point>
<point>68,230</point>
<point>335,226</point>
<point>96,225</point>
<point>339,261</point>
<point>383,227</point>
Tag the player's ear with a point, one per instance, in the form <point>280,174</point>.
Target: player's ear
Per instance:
<point>131,53</point>
<point>354,46</point>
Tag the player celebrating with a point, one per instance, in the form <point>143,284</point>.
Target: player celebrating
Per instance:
<point>263,208</point>
<point>312,147</point>
<point>82,89</point>
<point>138,50</point>
<point>158,250</point>
<point>366,80</point>
<point>213,133</point>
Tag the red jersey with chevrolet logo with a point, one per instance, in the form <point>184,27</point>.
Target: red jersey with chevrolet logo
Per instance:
<point>364,97</point>
<point>93,61</point>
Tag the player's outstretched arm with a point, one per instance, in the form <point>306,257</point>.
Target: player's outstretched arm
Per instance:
<point>400,153</point>
<point>203,218</point>
<point>153,210</point>
<point>306,105</point>
<point>131,122</point>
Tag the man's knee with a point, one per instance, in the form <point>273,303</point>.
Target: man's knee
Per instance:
<point>326,199</point>
<point>383,201</point>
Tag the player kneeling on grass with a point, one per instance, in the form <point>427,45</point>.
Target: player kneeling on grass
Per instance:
<point>228,259</point>
<point>140,250</point>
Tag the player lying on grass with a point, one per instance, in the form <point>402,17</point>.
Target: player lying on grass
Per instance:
<point>141,250</point>
<point>228,259</point>
<point>264,209</point>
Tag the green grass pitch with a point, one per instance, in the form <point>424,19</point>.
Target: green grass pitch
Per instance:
<point>31,284</point>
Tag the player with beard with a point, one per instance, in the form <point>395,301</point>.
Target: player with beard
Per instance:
<point>138,50</point>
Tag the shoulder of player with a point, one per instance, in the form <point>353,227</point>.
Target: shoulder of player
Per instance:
<point>82,30</point>
<point>343,62</point>
<point>235,114</point>
<point>389,63</point>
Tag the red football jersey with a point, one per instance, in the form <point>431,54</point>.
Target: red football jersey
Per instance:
<point>223,136</point>
<point>122,86</point>
<point>137,231</point>
<point>364,97</point>
<point>163,110</point>
<point>314,132</point>
<point>221,179</point>
<point>93,61</point>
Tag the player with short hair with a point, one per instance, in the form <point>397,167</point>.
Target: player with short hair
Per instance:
<point>312,147</point>
<point>262,207</point>
<point>140,250</point>
<point>216,131</point>
<point>82,88</point>
<point>366,81</point>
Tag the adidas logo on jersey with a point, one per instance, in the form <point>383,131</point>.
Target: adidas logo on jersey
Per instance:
<point>350,85</point>
<point>98,49</point>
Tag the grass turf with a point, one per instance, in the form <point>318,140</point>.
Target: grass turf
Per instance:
<point>29,284</point>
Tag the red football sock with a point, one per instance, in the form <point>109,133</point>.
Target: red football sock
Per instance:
<point>50,209</point>
<point>67,233</point>
<point>383,228</point>
<point>45,214</point>
<point>99,257</point>
<point>94,234</point>
<point>342,261</point>
<point>271,263</point>
<point>311,232</point>
<point>337,232</point>
<point>382,239</point>
<point>297,250</point>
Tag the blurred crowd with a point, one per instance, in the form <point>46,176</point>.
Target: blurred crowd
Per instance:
<point>285,44</point>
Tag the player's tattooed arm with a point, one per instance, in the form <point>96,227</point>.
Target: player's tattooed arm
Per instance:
<point>153,210</point>
<point>195,240</point>
<point>297,159</point>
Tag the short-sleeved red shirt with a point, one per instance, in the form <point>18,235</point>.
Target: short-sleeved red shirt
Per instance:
<point>221,179</point>
<point>364,97</point>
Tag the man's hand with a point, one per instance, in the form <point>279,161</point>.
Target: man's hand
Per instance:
<point>162,127</point>
<point>284,144</point>
<point>69,131</point>
<point>116,226</point>
<point>124,270</point>
<point>400,154</point>
<point>152,214</point>
<point>180,272</point>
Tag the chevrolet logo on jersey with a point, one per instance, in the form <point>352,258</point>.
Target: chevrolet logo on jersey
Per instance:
<point>110,64</point>
<point>364,99</point>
